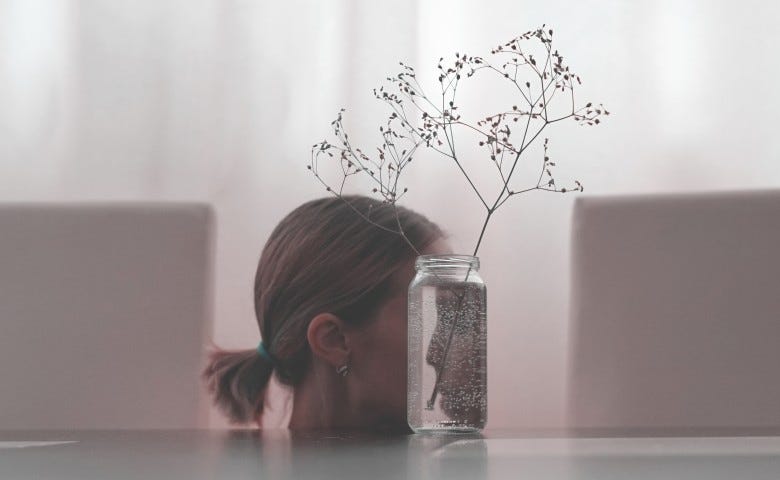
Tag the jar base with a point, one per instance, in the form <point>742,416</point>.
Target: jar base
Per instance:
<point>446,430</point>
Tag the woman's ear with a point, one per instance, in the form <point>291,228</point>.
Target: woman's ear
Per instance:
<point>328,340</point>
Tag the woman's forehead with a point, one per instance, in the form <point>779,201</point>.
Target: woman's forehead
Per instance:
<point>440,246</point>
<point>404,276</point>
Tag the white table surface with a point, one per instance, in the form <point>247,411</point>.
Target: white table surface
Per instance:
<point>203,454</point>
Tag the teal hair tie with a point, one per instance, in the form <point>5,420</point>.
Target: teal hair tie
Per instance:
<point>264,352</point>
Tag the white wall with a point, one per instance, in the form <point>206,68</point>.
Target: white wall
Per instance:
<point>221,100</point>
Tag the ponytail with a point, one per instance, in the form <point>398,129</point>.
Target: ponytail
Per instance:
<point>236,380</point>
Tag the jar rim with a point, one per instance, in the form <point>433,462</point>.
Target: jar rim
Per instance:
<point>448,260</point>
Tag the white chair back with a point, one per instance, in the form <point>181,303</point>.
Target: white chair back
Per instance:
<point>676,311</point>
<point>104,309</point>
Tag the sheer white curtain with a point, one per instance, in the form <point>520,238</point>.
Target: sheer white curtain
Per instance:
<point>220,101</point>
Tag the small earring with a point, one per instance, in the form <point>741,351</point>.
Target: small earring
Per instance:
<point>343,370</point>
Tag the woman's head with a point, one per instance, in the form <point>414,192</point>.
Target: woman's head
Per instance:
<point>330,287</point>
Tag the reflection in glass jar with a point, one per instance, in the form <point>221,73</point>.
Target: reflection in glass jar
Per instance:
<point>447,368</point>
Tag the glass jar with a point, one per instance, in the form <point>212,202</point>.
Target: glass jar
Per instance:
<point>447,345</point>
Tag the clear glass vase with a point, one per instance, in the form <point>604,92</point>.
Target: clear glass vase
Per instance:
<point>447,346</point>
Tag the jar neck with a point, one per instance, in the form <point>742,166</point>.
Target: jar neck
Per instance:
<point>449,263</point>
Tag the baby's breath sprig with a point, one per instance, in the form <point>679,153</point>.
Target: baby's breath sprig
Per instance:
<point>417,119</point>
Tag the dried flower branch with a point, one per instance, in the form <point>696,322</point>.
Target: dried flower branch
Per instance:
<point>417,120</point>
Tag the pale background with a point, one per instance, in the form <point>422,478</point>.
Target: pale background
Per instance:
<point>221,102</point>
